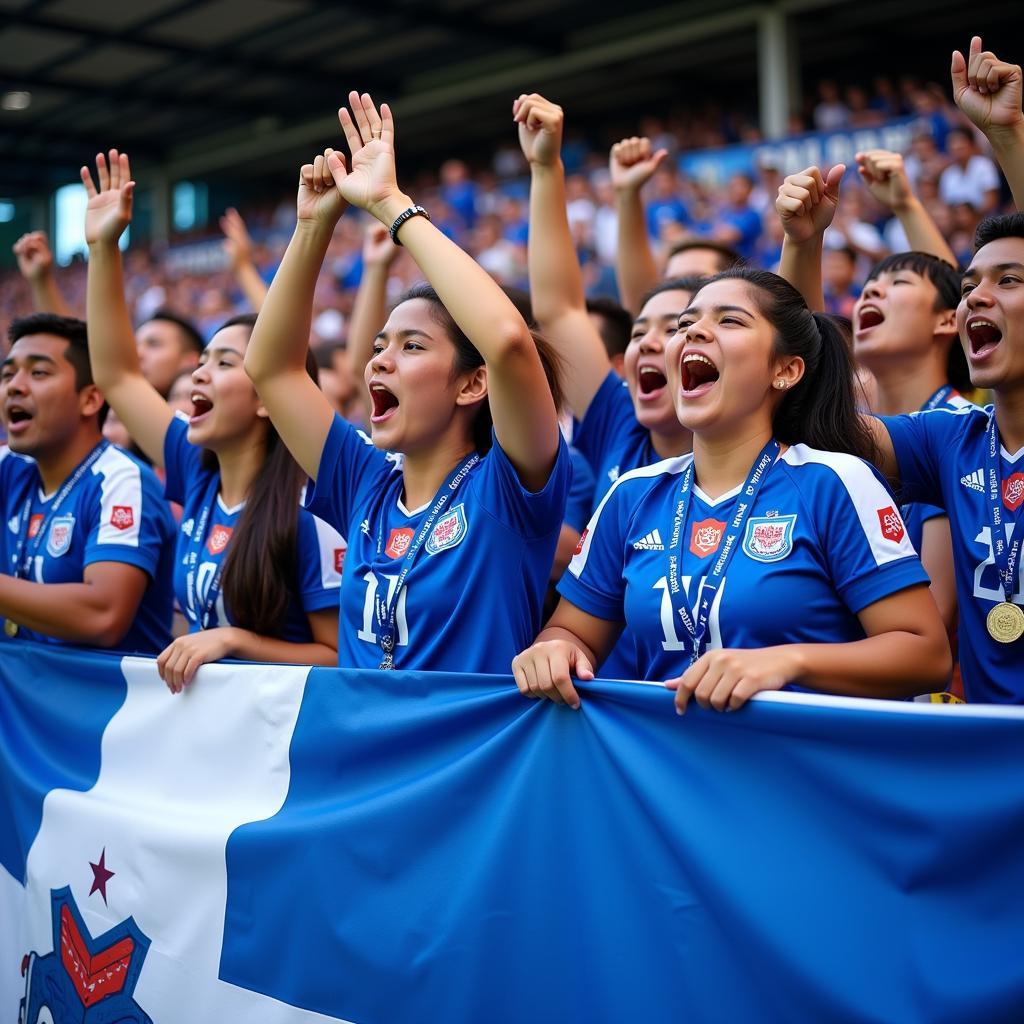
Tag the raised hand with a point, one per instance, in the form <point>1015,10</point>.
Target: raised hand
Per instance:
<point>632,163</point>
<point>35,258</point>
<point>109,210</point>
<point>319,200</point>
<point>883,174</point>
<point>378,249</point>
<point>237,243</point>
<point>987,89</point>
<point>540,129</point>
<point>371,181</point>
<point>807,202</point>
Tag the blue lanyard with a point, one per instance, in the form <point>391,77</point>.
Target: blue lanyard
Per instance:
<point>940,397</point>
<point>696,620</point>
<point>25,552</point>
<point>1005,555</point>
<point>195,544</point>
<point>387,610</point>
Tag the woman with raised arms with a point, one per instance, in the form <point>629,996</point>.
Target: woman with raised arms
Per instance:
<point>772,555</point>
<point>450,546</point>
<point>255,576</point>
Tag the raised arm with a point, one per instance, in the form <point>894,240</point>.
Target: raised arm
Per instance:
<point>275,358</point>
<point>523,410</point>
<point>806,204</point>
<point>556,284</point>
<point>369,311</point>
<point>238,246</point>
<point>35,262</point>
<point>885,178</point>
<point>988,91</point>
<point>632,164</point>
<point>112,352</point>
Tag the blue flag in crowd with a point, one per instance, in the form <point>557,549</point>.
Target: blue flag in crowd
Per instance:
<point>287,845</point>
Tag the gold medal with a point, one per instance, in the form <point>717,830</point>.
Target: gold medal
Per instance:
<point>10,627</point>
<point>1005,622</point>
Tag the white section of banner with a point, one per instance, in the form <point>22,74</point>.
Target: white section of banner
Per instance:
<point>169,793</point>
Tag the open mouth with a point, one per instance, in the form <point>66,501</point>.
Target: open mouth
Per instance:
<point>650,380</point>
<point>869,317</point>
<point>17,418</point>
<point>201,405</point>
<point>384,403</point>
<point>983,336</point>
<point>697,373</point>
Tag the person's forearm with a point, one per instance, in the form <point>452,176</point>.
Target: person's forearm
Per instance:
<point>1008,147</point>
<point>78,612</point>
<point>281,336</point>
<point>890,665</point>
<point>111,338</point>
<point>561,633</point>
<point>556,282</point>
<point>800,265</point>
<point>635,268</point>
<point>253,286</point>
<point>922,232</point>
<point>249,646</point>
<point>369,313</point>
<point>46,296</point>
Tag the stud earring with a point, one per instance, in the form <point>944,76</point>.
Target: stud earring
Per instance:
<point>781,385</point>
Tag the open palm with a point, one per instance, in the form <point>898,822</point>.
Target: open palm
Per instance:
<point>370,179</point>
<point>109,210</point>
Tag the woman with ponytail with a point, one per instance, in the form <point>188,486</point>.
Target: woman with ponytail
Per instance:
<point>256,577</point>
<point>773,555</point>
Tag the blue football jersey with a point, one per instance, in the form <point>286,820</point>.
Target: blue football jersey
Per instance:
<point>321,550</point>
<point>114,514</point>
<point>941,456</point>
<point>474,597</point>
<point>581,494</point>
<point>823,540</point>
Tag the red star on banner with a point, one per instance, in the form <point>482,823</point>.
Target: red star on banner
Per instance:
<point>100,876</point>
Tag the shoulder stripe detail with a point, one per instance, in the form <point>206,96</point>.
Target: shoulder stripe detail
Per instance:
<point>875,507</point>
<point>332,553</point>
<point>667,467</point>
<point>120,499</point>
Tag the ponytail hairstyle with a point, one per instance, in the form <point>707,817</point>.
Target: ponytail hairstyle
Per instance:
<point>820,409</point>
<point>262,564</point>
<point>467,357</point>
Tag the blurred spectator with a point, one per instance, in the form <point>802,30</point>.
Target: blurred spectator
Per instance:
<point>970,177</point>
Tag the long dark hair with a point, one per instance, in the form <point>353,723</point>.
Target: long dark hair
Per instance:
<point>261,568</point>
<point>820,409</point>
<point>468,358</point>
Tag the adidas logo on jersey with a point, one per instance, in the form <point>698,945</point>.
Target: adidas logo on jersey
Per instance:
<point>364,527</point>
<point>613,474</point>
<point>651,542</point>
<point>974,481</point>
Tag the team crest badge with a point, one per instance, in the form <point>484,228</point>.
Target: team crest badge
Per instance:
<point>705,537</point>
<point>398,542</point>
<point>33,525</point>
<point>122,517</point>
<point>769,538</point>
<point>339,560</point>
<point>87,980</point>
<point>449,531</point>
<point>58,540</point>
<point>891,523</point>
<point>218,539</point>
<point>1013,491</point>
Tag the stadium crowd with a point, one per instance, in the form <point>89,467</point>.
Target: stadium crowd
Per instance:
<point>724,437</point>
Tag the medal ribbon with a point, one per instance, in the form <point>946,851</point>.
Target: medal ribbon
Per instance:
<point>1004,555</point>
<point>195,546</point>
<point>25,552</point>
<point>387,610</point>
<point>696,619</point>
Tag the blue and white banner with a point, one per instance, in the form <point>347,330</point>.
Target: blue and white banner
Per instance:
<point>713,167</point>
<point>289,845</point>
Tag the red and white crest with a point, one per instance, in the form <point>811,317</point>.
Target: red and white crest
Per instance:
<point>339,560</point>
<point>579,546</point>
<point>122,517</point>
<point>1013,491</point>
<point>769,538</point>
<point>892,524</point>
<point>34,523</point>
<point>218,539</point>
<point>706,536</point>
<point>398,543</point>
<point>450,531</point>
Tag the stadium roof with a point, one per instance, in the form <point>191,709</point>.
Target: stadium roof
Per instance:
<point>236,86</point>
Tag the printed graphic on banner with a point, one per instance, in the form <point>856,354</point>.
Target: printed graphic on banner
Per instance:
<point>218,539</point>
<point>1013,491</point>
<point>769,538</point>
<point>85,980</point>
<point>706,536</point>
<point>59,538</point>
<point>398,542</point>
<point>122,517</point>
<point>892,524</point>
<point>449,532</point>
